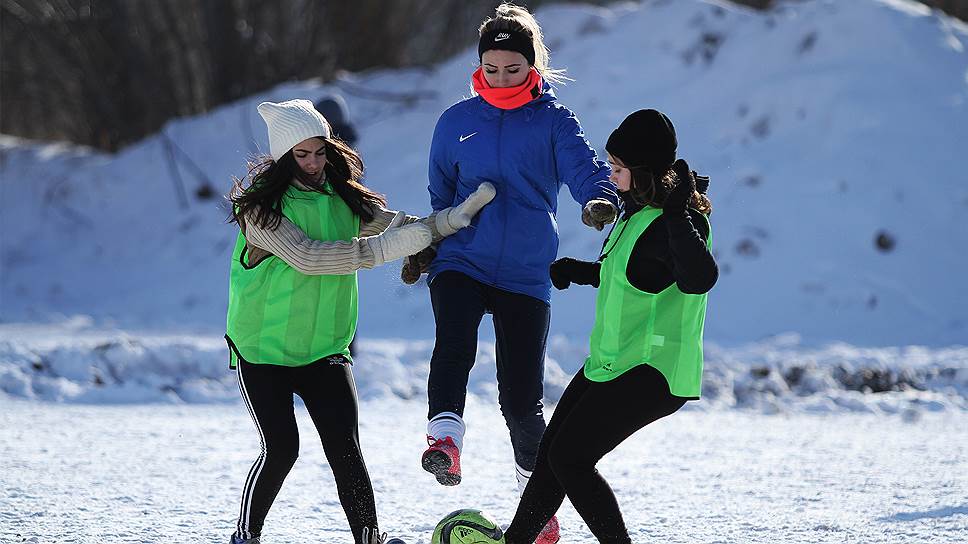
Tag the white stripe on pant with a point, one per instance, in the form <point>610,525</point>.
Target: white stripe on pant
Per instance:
<point>245,511</point>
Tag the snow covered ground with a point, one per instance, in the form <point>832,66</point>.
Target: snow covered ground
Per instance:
<point>162,473</point>
<point>112,436</point>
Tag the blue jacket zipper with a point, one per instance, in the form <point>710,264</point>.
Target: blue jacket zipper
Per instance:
<point>504,192</point>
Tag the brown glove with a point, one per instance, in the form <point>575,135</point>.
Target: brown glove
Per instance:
<point>415,265</point>
<point>598,212</point>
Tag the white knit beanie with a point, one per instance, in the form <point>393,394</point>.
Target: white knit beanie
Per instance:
<point>291,122</point>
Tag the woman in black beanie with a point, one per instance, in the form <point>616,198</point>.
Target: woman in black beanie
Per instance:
<point>646,346</point>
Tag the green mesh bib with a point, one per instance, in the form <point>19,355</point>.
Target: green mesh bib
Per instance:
<point>280,316</point>
<point>632,327</point>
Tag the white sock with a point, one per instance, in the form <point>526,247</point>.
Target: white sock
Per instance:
<point>447,424</point>
<point>523,476</point>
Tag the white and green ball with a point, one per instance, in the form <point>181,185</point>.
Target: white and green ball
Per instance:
<point>467,526</point>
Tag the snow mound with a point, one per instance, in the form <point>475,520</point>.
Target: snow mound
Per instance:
<point>75,363</point>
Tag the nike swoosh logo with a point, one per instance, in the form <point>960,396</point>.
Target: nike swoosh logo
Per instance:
<point>462,138</point>
<point>501,38</point>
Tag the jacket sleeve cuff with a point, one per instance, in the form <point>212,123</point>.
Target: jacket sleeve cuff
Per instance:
<point>373,243</point>
<point>441,224</point>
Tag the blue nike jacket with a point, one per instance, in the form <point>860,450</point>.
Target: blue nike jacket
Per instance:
<point>527,153</point>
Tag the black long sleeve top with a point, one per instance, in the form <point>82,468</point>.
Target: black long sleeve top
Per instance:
<point>672,249</point>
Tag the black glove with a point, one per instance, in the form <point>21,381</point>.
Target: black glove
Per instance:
<point>681,194</point>
<point>702,182</point>
<point>566,271</point>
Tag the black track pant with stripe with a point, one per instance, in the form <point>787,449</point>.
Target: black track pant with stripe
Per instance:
<point>592,419</point>
<point>329,393</point>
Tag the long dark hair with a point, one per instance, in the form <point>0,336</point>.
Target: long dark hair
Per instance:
<point>268,181</point>
<point>651,190</point>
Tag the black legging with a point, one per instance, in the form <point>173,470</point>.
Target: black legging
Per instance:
<point>591,419</point>
<point>521,333</point>
<point>329,393</point>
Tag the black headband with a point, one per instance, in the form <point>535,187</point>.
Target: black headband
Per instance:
<point>507,40</point>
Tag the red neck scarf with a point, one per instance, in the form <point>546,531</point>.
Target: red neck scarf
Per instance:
<point>508,98</point>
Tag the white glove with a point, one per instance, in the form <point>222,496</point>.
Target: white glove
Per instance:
<point>397,242</point>
<point>451,220</point>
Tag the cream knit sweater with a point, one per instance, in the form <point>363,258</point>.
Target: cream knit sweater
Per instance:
<point>315,257</point>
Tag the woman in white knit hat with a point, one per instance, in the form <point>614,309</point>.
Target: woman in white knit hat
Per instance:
<point>307,224</point>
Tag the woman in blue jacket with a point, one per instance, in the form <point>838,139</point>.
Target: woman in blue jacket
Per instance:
<point>516,135</point>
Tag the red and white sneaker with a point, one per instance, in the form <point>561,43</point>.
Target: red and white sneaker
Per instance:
<point>551,532</point>
<point>442,459</point>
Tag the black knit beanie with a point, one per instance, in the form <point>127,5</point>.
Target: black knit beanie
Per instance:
<point>645,139</point>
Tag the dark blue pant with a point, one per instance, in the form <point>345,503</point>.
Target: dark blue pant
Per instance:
<point>591,420</point>
<point>521,333</point>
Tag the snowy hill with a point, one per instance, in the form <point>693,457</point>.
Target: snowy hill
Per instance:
<point>823,125</point>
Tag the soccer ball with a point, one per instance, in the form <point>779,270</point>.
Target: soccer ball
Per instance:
<point>467,526</point>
